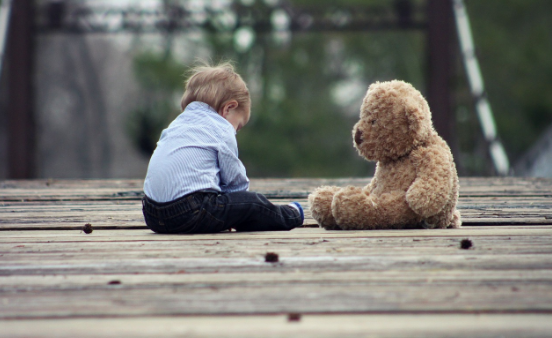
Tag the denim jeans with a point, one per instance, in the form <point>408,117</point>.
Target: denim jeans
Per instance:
<point>210,212</point>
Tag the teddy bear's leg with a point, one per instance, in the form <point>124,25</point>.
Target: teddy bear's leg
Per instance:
<point>320,202</point>
<point>356,209</point>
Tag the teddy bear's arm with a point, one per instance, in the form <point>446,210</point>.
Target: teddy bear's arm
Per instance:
<point>430,191</point>
<point>371,186</point>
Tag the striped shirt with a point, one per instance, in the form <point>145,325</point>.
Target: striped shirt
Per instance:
<point>198,151</point>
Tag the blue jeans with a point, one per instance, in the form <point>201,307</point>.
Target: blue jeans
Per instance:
<point>210,212</point>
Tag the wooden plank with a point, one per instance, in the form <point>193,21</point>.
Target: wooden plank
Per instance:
<point>334,259</point>
<point>299,284</point>
<point>319,326</point>
<point>102,248</point>
<point>52,273</point>
<point>226,257</point>
<point>53,236</point>
<point>114,204</point>
<point>35,190</point>
<point>128,215</point>
<point>47,184</point>
<point>277,296</point>
<point>253,263</point>
<point>358,283</point>
<point>65,282</point>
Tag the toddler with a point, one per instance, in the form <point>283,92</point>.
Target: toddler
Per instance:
<point>195,181</point>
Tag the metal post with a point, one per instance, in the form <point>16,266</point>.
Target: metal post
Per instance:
<point>5,11</point>
<point>482,106</point>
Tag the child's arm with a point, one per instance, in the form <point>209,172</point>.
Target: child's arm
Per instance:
<point>233,176</point>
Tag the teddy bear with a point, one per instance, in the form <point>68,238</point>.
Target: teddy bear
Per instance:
<point>415,184</point>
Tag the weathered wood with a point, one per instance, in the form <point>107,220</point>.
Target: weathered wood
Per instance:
<point>48,273</point>
<point>45,246</point>
<point>61,282</point>
<point>72,190</point>
<point>128,215</point>
<point>273,298</point>
<point>121,282</point>
<point>56,236</point>
<point>333,258</point>
<point>306,284</point>
<point>307,326</point>
<point>115,204</point>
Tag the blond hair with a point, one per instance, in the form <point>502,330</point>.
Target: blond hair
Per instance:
<point>216,85</point>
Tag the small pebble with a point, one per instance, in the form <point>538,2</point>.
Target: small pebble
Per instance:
<point>294,317</point>
<point>466,244</point>
<point>87,228</point>
<point>271,257</point>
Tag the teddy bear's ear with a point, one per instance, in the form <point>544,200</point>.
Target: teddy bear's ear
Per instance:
<point>418,117</point>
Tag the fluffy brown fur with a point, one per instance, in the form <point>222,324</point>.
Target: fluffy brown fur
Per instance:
<point>415,183</point>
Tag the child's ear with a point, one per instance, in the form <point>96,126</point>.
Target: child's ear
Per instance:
<point>228,106</point>
<point>232,104</point>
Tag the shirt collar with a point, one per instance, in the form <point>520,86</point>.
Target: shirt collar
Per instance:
<point>207,108</point>
<point>201,105</point>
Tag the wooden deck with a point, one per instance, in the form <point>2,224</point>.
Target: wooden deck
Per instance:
<point>122,280</point>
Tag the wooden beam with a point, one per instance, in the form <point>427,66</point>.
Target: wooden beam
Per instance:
<point>20,114</point>
<point>326,325</point>
<point>439,87</point>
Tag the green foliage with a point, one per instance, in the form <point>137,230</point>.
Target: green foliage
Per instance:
<point>145,124</point>
<point>306,132</point>
<point>298,128</point>
<point>158,72</point>
<point>160,76</point>
<point>513,40</point>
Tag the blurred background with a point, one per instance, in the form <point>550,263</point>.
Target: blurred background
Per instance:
<point>87,86</point>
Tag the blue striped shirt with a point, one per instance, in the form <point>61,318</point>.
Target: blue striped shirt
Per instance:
<point>197,151</point>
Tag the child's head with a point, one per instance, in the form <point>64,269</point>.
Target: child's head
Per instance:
<point>222,88</point>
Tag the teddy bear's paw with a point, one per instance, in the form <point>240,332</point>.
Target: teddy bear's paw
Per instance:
<point>331,226</point>
<point>439,221</point>
<point>456,221</point>
<point>425,225</point>
<point>320,202</point>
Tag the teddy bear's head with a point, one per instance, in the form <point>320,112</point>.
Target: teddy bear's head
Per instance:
<point>394,119</point>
